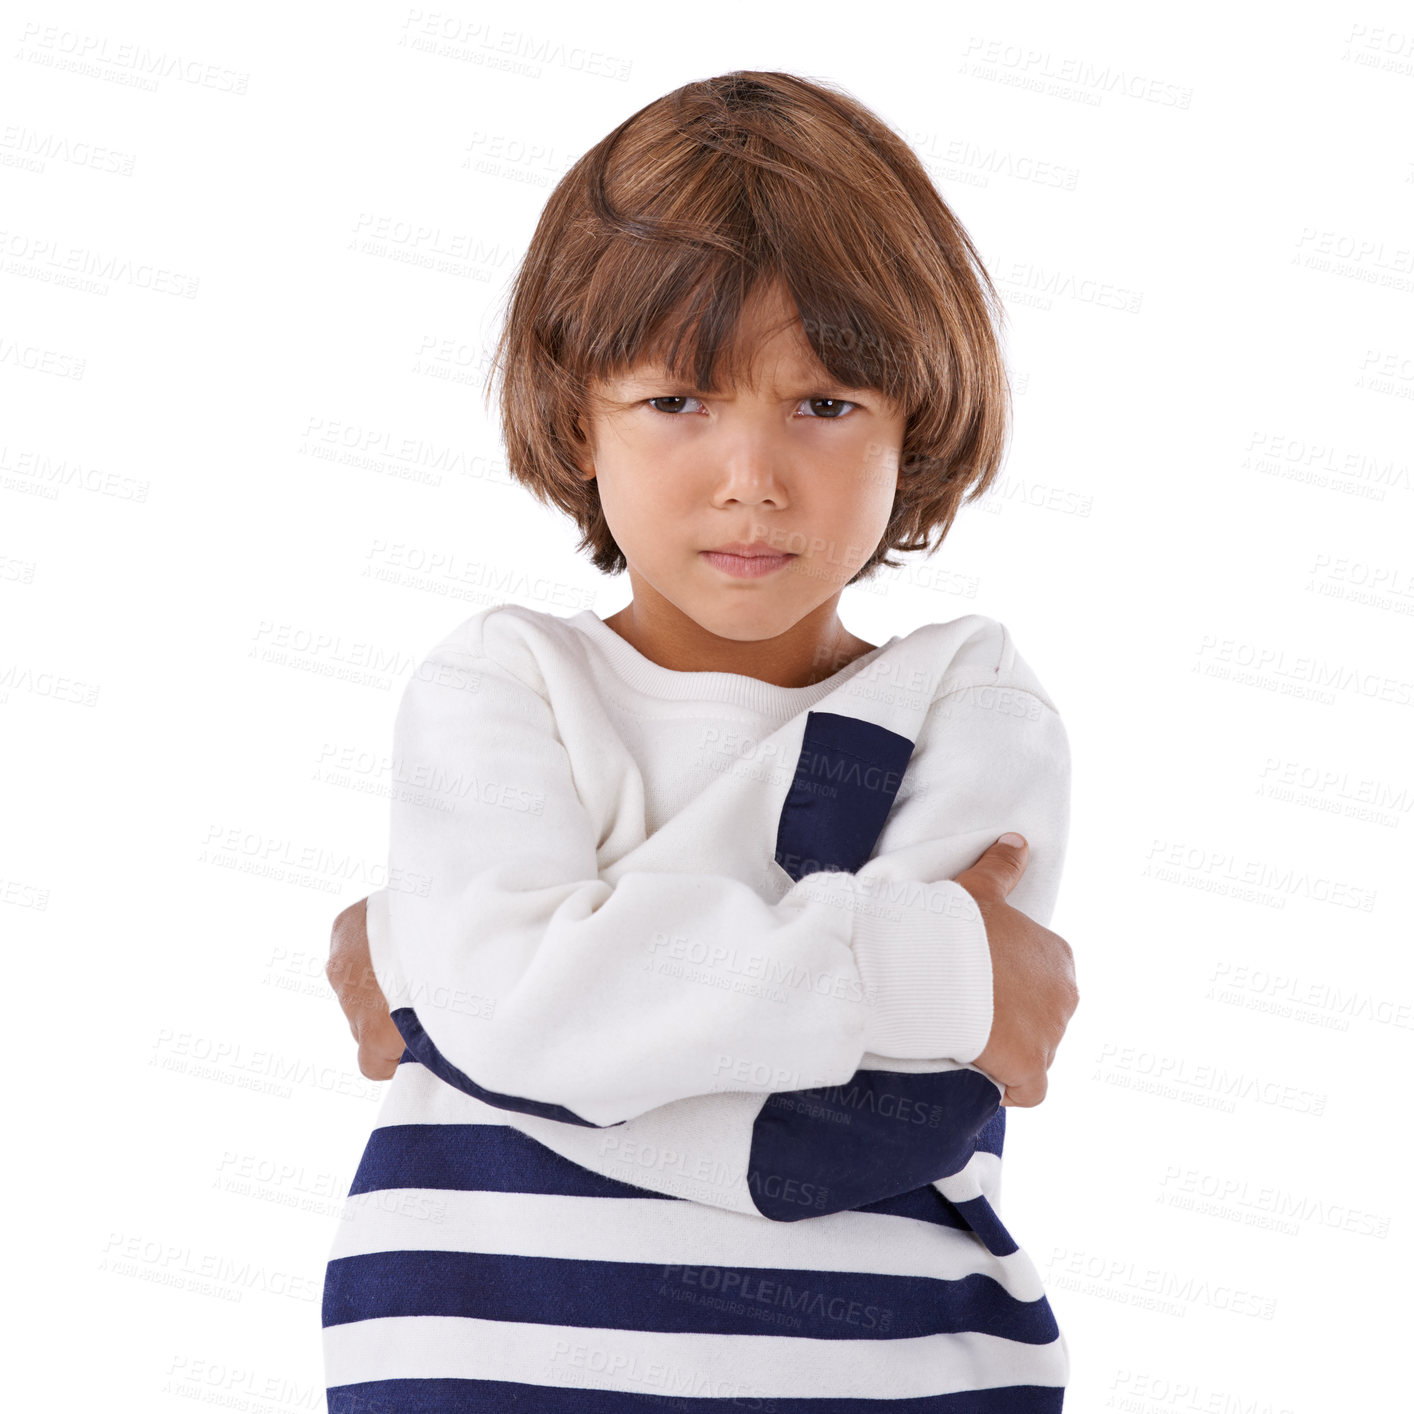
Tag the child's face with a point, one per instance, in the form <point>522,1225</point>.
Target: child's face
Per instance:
<point>681,474</point>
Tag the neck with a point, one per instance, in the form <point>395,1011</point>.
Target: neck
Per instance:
<point>814,648</point>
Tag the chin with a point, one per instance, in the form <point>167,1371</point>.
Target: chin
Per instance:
<point>745,623</point>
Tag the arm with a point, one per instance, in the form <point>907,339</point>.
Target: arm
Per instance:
<point>992,760</point>
<point>523,977</point>
<point>991,755</point>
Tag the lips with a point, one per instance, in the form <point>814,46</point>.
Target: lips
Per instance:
<point>753,563</point>
<point>756,549</point>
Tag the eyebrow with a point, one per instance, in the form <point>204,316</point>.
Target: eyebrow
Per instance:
<point>826,387</point>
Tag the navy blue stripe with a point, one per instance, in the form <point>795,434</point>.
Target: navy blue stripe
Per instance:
<point>496,1158</point>
<point>507,1397</point>
<point>419,1043</point>
<point>923,1205</point>
<point>652,1296</point>
<point>846,777</point>
<point>490,1158</point>
<point>836,1148</point>
<point>982,1218</point>
<point>884,1135</point>
<point>992,1135</point>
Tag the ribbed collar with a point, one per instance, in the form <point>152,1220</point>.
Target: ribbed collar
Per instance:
<point>654,680</point>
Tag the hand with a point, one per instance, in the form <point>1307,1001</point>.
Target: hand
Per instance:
<point>1033,980</point>
<point>350,974</point>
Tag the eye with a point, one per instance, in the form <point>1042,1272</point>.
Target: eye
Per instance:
<point>834,415</point>
<point>831,413</point>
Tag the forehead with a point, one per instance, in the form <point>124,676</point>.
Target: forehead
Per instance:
<point>775,364</point>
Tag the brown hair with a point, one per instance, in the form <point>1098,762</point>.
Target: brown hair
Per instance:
<point>660,232</point>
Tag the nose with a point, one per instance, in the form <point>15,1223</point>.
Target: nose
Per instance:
<point>750,470</point>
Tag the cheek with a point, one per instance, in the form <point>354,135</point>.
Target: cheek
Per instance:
<point>642,505</point>
<point>863,481</point>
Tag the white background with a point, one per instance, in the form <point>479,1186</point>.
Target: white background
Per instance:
<point>247,480</point>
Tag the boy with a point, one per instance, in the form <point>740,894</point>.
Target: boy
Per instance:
<point>707,1024</point>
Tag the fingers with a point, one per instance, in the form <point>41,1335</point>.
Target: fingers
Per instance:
<point>380,1045</point>
<point>1006,860</point>
<point>999,869</point>
<point>377,1065</point>
<point>1026,1095</point>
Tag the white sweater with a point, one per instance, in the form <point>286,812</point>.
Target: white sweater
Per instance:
<point>697,934</point>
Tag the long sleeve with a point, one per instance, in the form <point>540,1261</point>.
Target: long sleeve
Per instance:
<point>520,975</point>
<point>990,758</point>
<point>991,755</point>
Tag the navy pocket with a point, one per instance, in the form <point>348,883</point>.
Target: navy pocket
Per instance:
<point>846,778</point>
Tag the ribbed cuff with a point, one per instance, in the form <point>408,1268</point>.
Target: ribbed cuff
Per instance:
<point>927,970</point>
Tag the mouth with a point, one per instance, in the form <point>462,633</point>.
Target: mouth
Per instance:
<point>747,564</point>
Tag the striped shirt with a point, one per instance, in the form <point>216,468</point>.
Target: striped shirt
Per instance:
<point>686,1112</point>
